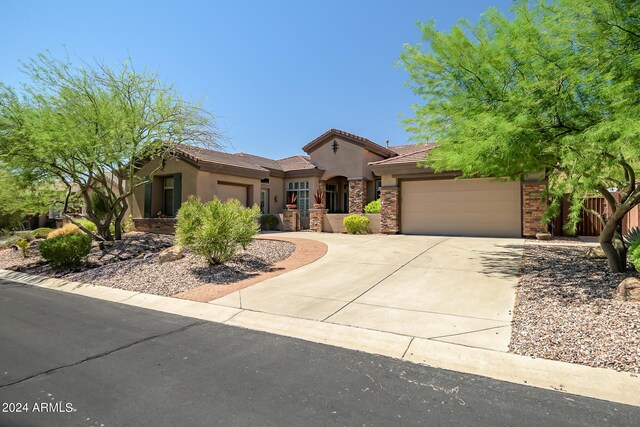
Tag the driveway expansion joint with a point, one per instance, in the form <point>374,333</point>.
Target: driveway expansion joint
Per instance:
<point>386,277</point>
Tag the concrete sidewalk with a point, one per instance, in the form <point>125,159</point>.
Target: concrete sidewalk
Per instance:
<point>452,289</point>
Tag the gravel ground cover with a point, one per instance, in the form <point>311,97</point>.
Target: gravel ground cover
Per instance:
<point>132,245</point>
<point>132,264</point>
<point>149,276</point>
<point>565,310</point>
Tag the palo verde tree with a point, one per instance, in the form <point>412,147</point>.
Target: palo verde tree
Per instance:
<point>552,89</point>
<point>89,127</point>
<point>19,198</point>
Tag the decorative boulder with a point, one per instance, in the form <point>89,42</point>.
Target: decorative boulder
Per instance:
<point>596,252</point>
<point>173,253</point>
<point>544,236</point>
<point>629,289</point>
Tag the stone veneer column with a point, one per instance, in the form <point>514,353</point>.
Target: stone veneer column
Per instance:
<point>390,210</point>
<point>533,209</point>
<point>357,195</point>
<point>316,218</point>
<point>290,220</point>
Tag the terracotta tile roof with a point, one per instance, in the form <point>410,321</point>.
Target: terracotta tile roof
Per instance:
<point>206,155</point>
<point>407,148</point>
<point>260,161</point>
<point>408,157</point>
<point>296,162</point>
<point>359,140</point>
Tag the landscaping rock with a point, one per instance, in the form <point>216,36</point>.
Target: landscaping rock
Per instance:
<point>596,252</point>
<point>629,289</point>
<point>544,236</point>
<point>173,253</point>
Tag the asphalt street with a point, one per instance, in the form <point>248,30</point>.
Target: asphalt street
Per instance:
<point>68,360</point>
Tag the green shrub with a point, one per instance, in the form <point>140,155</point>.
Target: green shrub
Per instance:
<point>42,232</point>
<point>215,230</point>
<point>64,230</point>
<point>26,235</point>
<point>373,207</point>
<point>98,204</point>
<point>269,222</point>
<point>89,225</point>
<point>634,254</point>
<point>66,250</point>
<point>23,246</point>
<point>356,224</point>
<point>632,236</point>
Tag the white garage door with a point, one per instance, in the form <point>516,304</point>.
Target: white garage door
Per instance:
<point>465,207</point>
<point>226,192</point>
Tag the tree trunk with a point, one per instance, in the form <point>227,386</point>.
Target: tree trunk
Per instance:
<point>612,243</point>
<point>119,218</point>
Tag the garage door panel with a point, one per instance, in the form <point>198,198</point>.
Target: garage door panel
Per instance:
<point>474,207</point>
<point>226,192</point>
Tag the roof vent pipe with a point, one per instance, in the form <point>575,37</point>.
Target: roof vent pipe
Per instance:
<point>387,143</point>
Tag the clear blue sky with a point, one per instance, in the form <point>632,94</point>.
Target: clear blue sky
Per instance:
<point>275,73</point>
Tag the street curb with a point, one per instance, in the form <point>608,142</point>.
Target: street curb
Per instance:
<point>599,383</point>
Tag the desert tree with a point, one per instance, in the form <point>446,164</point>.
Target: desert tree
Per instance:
<point>90,127</point>
<point>552,88</point>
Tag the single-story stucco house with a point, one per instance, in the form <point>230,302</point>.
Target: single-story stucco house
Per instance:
<point>351,171</point>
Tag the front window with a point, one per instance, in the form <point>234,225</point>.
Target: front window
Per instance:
<point>167,197</point>
<point>301,188</point>
<point>264,201</point>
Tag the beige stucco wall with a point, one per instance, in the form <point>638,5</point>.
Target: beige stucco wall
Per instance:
<point>350,160</point>
<point>171,167</point>
<point>208,186</point>
<point>333,223</point>
<point>276,191</point>
<point>388,180</point>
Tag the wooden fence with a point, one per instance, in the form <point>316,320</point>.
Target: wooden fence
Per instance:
<point>590,224</point>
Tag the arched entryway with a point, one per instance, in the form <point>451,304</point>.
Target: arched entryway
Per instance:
<point>337,194</point>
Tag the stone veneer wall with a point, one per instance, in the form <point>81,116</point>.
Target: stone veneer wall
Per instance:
<point>357,195</point>
<point>390,211</point>
<point>533,209</point>
<point>316,217</point>
<point>155,225</point>
<point>290,220</point>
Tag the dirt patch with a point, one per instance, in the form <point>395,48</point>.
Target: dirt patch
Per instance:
<point>565,310</point>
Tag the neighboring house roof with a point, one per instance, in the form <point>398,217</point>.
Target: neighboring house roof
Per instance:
<point>355,139</point>
<point>219,161</point>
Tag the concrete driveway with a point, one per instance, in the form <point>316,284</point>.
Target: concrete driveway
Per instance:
<point>454,289</point>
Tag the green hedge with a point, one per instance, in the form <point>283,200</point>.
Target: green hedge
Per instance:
<point>66,251</point>
<point>373,207</point>
<point>269,222</point>
<point>356,224</point>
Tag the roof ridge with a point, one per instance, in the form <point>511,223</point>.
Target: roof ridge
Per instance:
<point>242,153</point>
